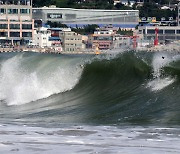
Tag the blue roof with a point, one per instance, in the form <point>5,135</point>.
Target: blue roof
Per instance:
<point>58,29</point>
<point>54,39</point>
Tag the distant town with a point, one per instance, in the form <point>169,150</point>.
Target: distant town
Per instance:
<point>27,26</point>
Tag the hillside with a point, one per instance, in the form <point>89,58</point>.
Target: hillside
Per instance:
<point>98,4</point>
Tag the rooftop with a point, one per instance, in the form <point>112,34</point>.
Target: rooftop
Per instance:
<point>95,10</point>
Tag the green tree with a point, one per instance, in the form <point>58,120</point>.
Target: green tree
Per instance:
<point>56,24</point>
<point>125,32</point>
<point>88,29</point>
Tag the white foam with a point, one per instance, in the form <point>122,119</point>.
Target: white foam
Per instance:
<point>159,84</point>
<point>159,61</point>
<point>19,85</point>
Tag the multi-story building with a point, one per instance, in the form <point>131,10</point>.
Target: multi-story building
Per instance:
<point>71,41</point>
<point>165,33</point>
<point>16,23</point>
<point>80,17</point>
<point>121,41</point>
<point>103,39</point>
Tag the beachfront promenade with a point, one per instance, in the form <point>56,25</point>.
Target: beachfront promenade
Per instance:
<point>42,50</point>
<point>173,47</point>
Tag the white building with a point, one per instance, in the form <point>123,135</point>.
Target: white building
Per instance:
<point>129,3</point>
<point>116,1</point>
<point>80,17</point>
<point>41,37</point>
<point>165,33</point>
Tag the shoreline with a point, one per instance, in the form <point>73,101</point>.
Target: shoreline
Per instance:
<point>174,47</point>
<point>44,50</point>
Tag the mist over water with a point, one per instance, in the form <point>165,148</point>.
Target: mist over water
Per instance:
<point>159,61</point>
<point>24,79</point>
<point>90,102</point>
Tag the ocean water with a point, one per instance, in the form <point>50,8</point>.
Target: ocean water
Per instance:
<point>120,102</point>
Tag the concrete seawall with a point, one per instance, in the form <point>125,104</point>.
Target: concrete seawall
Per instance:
<point>24,49</point>
<point>42,50</point>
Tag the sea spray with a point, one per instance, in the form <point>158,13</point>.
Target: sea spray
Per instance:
<point>21,84</point>
<point>159,82</point>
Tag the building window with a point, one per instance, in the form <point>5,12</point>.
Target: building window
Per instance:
<point>26,26</point>
<point>14,26</point>
<point>14,34</point>
<point>95,38</point>
<point>104,38</point>
<point>12,11</point>
<point>2,11</point>
<point>3,34</point>
<point>150,31</point>
<point>3,26</point>
<point>160,31</point>
<point>27,34</point>
<point>24,11</point>
<point>170,37</point>
<point>169,31</point>
<point>178,32</point>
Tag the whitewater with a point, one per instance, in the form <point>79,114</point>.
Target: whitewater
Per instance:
<point>118,102</point>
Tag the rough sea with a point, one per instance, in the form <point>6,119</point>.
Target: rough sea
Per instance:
<point>121,103</point>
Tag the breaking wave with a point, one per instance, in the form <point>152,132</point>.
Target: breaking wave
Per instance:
<point>28,78</point>
<point>131,87</point>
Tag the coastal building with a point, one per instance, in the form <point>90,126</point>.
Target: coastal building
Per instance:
<point>80,17</point>
<point>117,2</point>
<point>71,41</point>
<point>165,33</point>
<point>41,37</point>
<point>128,2</point>
<point>55,31</point>
<point>121,41</point>
<point>54,38</point>
<point>16,23</point>
<point>102,38</point>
